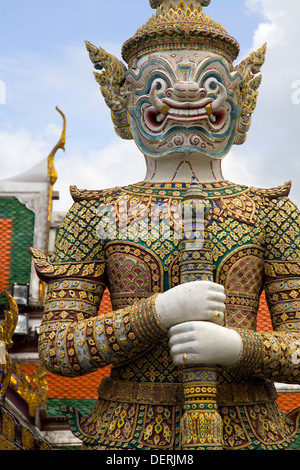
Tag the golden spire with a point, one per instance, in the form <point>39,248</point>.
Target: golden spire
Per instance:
<point>52,174</point>
<point>60,145</point>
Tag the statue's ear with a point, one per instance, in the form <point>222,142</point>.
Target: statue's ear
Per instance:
<point>113,87</point>
<point>248,69</point>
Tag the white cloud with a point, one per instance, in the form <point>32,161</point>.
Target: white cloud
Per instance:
<point>117,164</point>
<point>20,151</point>
<point>270,156</point>
<point>95,157</point>
<point>37,82</point>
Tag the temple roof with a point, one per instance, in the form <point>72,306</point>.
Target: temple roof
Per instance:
<point>38,173</point>
<point>16,234</point>
<point>26,205</point>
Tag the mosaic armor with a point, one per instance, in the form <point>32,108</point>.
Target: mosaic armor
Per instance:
<point>119,239</point>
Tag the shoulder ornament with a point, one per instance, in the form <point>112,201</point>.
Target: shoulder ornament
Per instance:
<point>273,193</point>
<point>86,194</point>
<point>47,271</point>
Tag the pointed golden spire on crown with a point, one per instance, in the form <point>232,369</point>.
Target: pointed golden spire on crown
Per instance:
<point>180,24</point>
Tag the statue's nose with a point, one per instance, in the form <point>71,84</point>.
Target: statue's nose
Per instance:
<point>188,91</point>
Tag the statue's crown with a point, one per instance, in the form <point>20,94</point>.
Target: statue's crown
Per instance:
<point>180,24</point>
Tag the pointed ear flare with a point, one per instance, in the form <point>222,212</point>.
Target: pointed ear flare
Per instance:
<point>113,87</point>
<point>248,69</point>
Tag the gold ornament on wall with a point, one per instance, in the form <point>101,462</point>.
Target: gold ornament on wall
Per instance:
<point>7,329</point>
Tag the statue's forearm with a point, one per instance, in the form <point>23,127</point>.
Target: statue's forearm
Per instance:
<point>273,355</point>
<point>73,342</point>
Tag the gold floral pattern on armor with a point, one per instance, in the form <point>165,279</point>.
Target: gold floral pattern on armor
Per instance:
<point>260,426</point>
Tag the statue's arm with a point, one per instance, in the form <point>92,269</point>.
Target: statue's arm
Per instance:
<point>75,338</point>
<point>276,354</point>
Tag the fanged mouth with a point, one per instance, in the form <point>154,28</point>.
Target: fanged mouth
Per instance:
<point>156,120</point>
<point>187,104</point>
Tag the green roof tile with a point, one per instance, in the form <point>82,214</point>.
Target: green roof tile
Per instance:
<point>53,406</point>
<point>21,238</point>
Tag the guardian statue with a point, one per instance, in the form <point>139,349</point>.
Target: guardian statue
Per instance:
<point>188,367</point>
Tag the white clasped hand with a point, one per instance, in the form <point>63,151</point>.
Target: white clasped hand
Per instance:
<point>195,343</point>
<point>193,301</point>
<point>193,313</point>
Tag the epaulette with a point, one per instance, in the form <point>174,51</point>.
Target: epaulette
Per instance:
<point>87,195</point>
<point>273,193</point>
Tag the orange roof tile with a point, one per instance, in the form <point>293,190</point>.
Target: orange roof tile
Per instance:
<point>105,306</point>
<point>288,401</point>
<point>263,315</point>
<point>70,387</point>
<point>5,244</point>
<point>76,387</point>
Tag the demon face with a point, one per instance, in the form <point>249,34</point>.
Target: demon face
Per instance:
<point>183,102</point>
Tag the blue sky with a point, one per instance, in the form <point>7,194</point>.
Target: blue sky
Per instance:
<point>43,64</point>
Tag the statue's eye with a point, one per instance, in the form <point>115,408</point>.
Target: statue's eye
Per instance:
<point>160,85</point>
<point>212,85</point>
